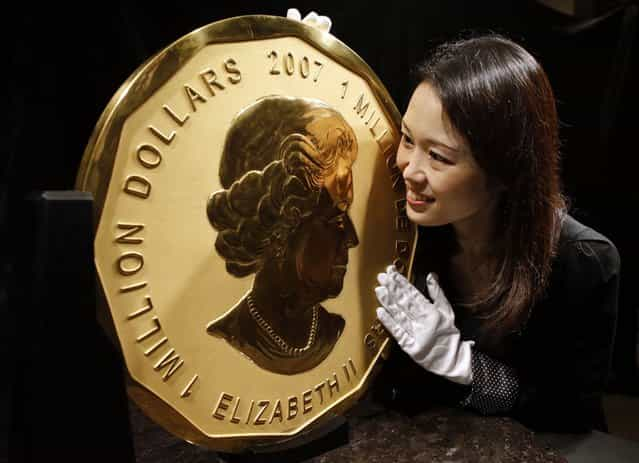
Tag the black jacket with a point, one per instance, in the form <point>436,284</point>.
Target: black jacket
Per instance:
<point>552,373</point>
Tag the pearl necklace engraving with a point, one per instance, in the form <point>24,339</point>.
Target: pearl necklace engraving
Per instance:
<point>277,339</point>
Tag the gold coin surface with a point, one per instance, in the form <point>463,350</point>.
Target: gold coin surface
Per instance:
<point>247,196</point>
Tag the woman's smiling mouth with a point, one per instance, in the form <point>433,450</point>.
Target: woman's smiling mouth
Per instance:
<point>417,200</point>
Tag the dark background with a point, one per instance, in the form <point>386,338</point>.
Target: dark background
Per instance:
<point>62,64</point>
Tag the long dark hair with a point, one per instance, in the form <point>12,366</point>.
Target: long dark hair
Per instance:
<point>498,97</point>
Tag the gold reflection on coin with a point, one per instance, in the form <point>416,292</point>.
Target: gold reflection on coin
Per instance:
<point>287,173</point>
<point>246,196</point>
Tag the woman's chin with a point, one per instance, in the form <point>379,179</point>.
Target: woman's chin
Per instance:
<point>337,283</point>
<point>423,218</point>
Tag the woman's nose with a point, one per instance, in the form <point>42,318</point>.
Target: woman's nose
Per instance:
<point>411,168</point>
<point>350,235</point>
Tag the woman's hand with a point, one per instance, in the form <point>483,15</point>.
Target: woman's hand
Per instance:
<point>323,23</point>
<point>426,331</point>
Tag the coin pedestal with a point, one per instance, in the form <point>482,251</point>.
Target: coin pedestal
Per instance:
<point>69,402</point>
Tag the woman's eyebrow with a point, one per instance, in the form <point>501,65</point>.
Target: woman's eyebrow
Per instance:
<point>405,127</point>
<point>432,141</point>
<point>337,216</point>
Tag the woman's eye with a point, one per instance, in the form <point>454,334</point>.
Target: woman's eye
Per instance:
<point>338,221</point>
<point>407,140</point>
<point>437,157</point>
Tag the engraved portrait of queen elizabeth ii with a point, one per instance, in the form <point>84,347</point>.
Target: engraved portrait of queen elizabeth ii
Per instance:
<point>282,215</point>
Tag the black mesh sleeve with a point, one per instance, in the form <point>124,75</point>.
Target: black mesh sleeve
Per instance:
<point>495,386</point>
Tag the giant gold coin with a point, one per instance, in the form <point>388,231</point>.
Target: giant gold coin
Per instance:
<point>246,197</point>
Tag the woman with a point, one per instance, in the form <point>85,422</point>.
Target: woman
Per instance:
<point>513,306</point>
<point>282,214</point>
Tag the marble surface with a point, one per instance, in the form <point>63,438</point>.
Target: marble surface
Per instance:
<point>441,435</point>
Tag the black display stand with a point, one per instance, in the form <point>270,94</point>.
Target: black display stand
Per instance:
<point>69,402</point>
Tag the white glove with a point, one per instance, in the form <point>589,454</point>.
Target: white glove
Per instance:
<point>426,331</point>
<point>323,23</point>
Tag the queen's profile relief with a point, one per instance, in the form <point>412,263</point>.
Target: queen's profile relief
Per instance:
<point>283,215</point>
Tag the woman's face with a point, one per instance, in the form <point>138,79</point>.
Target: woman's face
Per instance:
<point>321,249</point>
<point>444,183</point>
